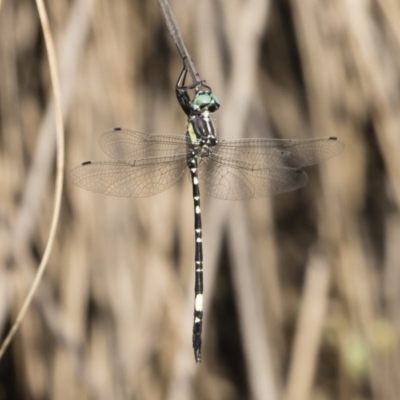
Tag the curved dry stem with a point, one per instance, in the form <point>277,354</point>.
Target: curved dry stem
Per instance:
<point>59,173</point>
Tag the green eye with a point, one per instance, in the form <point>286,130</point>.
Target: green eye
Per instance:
<point>214,105</point>
<point>215,100</point>
<point>202,100</point>
<point>205,101</point>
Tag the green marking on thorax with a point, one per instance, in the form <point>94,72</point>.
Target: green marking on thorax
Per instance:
<point>192,135</point>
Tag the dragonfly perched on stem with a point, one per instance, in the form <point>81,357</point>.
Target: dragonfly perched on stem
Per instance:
<point>147,164</point>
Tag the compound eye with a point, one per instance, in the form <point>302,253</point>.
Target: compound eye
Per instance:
<point>205,101</point>
<point>216,102</point>
<point>202,100</point>
<point>214,105</point>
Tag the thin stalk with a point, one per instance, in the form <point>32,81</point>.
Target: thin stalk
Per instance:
<point>177,37</point>
<point>59,172</point>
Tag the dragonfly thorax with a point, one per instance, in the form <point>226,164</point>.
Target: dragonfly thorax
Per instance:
<point>201,130</point>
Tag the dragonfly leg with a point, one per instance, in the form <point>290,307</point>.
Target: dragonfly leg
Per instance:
<point>181,92</point>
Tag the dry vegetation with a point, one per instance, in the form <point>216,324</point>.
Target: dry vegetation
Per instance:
<point>302,291</point>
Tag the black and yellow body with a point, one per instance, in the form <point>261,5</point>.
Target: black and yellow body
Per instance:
<point>201,136</point>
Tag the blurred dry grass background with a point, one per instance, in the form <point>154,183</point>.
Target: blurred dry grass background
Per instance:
<point>302,291</point>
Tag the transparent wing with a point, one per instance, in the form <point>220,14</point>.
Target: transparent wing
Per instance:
<point>274,153</point>
<point>145,178</point>
<point>126,145</point>
<point>239,181</point>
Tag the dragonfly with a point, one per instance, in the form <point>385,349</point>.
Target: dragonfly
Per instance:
<point>148,164</point>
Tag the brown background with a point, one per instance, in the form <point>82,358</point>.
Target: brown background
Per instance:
<point>302,291</point>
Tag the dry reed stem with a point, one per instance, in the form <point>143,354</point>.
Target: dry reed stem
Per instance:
<point>71,50</point>
<point>39,173</point>
<point>309,330</point>
<point>377,86</point>
<point>244,44</point>
<point>320,50</point>
<point>377,75</point>
<point>252,323</point>
<point>59,175</point>
<point>391,325</point>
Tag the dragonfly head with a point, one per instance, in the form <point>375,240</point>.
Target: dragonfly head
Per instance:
<point>204,102</point>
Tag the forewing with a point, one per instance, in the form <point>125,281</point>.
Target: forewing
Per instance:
<point>239,181</point>
<point>274,153</point>
<point>126,145</point>
<point>146,178</point>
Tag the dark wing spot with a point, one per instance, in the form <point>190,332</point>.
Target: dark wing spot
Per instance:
<point>117,129</point>
<point>86,163</point>
<point>332,138</point>
<point>299,171</point>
